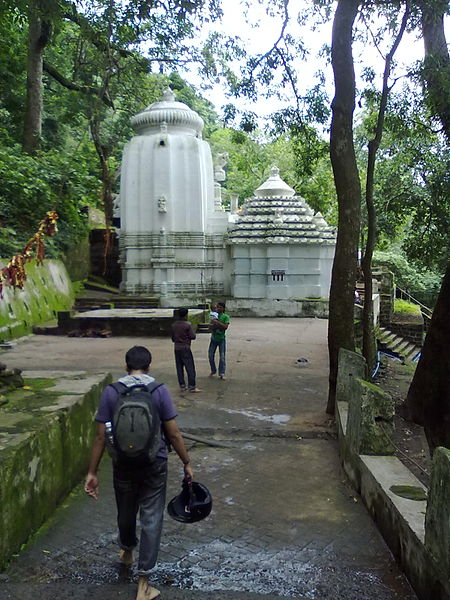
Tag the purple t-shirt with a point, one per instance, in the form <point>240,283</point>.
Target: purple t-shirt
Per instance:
<point>164,404</point>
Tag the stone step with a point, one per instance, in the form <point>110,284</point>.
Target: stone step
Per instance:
<point>389,339</point>
<point>143,303</point>
<point>392,342</point>
<point>400,345</point>
<point>82,304</point>
<point>411,352</point>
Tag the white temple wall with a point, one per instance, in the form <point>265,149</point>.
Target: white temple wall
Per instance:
<point>281,271</point>
<point>172,228</point>
<point>151,198</point>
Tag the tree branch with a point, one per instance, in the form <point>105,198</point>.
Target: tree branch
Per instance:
<point>70,85</point>
<point>275,45</point>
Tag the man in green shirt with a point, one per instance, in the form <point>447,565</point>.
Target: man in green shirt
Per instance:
<point>218,329</point>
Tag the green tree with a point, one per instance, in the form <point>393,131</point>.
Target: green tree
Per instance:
<point>412,186</point>
<point>348,189</point>
<point>369,343</point>
<point>436,64</point>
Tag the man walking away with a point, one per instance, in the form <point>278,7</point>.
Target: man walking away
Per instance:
<point>182,335</point>
<point>139,483</point>
<point>218,328</point>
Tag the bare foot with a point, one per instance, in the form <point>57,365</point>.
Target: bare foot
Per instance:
<point>126,557</point>
<point>195,391</point>
<point>145,590</point>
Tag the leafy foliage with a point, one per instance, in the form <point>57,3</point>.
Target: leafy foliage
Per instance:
<point>35,185</point>
<point>404,306</point>
<point>412,184</point>
<point>422,284</point>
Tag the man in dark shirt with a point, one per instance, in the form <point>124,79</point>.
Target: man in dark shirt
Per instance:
<point>139,486</point>
<point>182,335</point>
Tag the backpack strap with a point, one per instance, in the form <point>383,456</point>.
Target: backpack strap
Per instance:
<point>119,387</point>
<point>154,385</point>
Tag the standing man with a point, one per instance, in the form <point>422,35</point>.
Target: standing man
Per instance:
<point>139,485</point>
<point>218,329</point>
<point>182,335</point>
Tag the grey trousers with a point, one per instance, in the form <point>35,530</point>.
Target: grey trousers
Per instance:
<point>141,489</point>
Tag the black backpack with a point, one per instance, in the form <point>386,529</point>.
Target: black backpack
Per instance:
<point>136,426</point>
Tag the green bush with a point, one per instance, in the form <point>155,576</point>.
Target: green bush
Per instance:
<point>420,284</point>
<point>406,307</point>
<point>33,185</point>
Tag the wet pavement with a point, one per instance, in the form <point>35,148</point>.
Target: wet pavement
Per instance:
<point>285,522</point>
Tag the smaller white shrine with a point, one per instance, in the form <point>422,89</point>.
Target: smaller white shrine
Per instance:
<point>280,249</point>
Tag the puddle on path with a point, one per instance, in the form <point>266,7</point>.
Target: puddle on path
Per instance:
<point>253,414</point>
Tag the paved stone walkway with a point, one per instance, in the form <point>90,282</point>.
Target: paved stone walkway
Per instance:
<point>285,523</point>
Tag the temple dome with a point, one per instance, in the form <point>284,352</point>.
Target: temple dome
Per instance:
<point>168,113</point>
<point>275,214</point>
<point>274,186</point>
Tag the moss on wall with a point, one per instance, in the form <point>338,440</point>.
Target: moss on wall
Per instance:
<point>45,441</point>
<point>77,260</point>
<point>47,290</point>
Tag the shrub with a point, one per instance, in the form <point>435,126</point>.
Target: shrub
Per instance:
<point>406,307</point>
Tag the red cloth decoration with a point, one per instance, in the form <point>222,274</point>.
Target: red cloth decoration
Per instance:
<point>14,273</point>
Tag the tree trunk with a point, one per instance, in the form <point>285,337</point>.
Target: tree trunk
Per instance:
<point>38,38</point>
<point>437,63</point>
<point>428,399</point>
<point>107,177</point>
<point>369,344</point>
<point>107,197</point>
<point>348,190</point>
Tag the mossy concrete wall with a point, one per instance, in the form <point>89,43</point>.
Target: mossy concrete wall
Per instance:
<point>409,326</point>
<point>77,260</point>
<point>46,432</point>
<point>47,290</point>
<point>262,307</point>
<point>437,520</point>
<point>400,520</point>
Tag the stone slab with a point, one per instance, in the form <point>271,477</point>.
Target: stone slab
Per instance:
<point>132,313</point>
<point>284,517</point>
<point>284,524</point>
<point>388,471</point>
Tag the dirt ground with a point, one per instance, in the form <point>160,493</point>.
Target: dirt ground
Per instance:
<point>409,438</point>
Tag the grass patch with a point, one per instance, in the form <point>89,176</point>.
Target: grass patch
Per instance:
<point>404,306</point>
<point>411,492</point>
<point>39,384</point>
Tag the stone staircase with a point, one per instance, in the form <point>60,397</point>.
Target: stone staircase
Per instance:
<point>397,345</point>
<point>84,303</point>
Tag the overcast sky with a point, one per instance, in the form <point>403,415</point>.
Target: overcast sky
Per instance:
<point>262,31</point>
